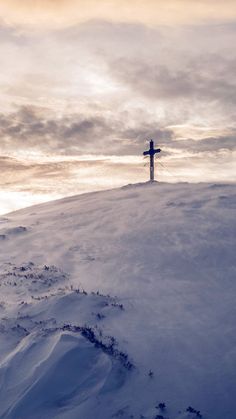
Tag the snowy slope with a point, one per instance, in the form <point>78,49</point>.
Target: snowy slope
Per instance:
<point>116,301</point>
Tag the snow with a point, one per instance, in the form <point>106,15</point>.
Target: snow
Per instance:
<point>116,301</point>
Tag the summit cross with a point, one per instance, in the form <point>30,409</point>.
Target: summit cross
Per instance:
<point>151,152</point>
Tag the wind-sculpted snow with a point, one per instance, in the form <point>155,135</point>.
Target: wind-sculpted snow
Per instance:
<point>120,304</point>
<point>58,372</point>
<point>55,356</point>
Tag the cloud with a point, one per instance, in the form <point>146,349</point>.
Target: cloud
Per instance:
<point>33,129</point>
<point>199,79</point>
<point>207,149</point>
<point>24,172</point>
<point>209,144</point>
<point>61,13</point>
<point>121,66</point>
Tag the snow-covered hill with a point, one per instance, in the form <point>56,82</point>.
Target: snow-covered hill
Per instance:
<point>120,304</point>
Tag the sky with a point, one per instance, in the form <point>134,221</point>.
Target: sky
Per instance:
<point>85,84</point>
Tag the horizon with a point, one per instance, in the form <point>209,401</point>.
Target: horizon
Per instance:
<point>125,186</point>
<point>84,87</point>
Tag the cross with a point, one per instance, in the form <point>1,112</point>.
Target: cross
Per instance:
<point>151,152</point>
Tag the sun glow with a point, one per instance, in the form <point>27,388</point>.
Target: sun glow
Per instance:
<point>61,13</point>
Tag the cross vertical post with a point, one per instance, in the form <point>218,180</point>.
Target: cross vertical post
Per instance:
<point>151,152</point>
<point>151,161</point>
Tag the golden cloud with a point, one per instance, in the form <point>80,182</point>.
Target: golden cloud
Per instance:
<point>62,13</point>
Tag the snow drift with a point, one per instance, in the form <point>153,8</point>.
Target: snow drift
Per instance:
<point>120,304</point>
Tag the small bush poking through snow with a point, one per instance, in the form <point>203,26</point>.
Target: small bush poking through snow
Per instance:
<point>196,412</point>
<point>161,406</point>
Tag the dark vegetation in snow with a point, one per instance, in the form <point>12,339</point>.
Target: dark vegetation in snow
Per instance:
<point>194,411</point>
<point>109,348</point>
<point>45,282</point>
<point>32,276</point>
<point>42,278</point>
<point>161,406</point>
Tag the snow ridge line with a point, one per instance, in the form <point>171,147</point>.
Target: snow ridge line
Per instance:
<point>89,334</point>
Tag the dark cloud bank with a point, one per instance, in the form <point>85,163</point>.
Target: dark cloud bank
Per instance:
<point>31,129</point>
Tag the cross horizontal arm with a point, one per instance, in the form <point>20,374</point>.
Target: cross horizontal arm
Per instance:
<point>151,152</point>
